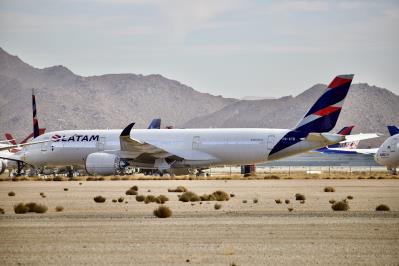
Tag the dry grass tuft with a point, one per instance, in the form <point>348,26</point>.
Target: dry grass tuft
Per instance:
<point>221,195</point>
<point>178,189</point>
<point>331,201</point>
<point>329,189</point>
<point>189,196</point>
<point>278,201</point>
<point>350,197</point>
<point>342,205</point>
<point>161,199</point>
<point>65,189</point>
<point>2,211</point>
<point>217,206</point>
<point>287,201</point>
<point>255,201</point>
<point>140,198</point>
<point>131,192</point>
<point>290,209</point>
<point>135,188</point>
<point>232,195</point>
<point>207,197</point>
<point>99,199</point>
<point>163,212</point>
<point>299,196</point>
<point>11,193</point>
<point>382,207</point>
<point>58,178</point>
<point>149,199</point>
<point>29,207</point>
<point>80,183</point>
<point>114,200</point>
<point>121,199</point>
<point>275,177</point>
<point>59,209</point>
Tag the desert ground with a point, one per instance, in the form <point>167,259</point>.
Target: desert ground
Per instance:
<point>262,233</point>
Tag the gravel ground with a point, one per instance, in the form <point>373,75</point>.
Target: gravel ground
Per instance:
<point>262,233</point>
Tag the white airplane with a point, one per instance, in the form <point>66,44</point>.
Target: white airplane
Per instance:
<point>106,152</point>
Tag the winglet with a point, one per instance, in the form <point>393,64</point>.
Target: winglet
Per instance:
<point>155,124</point>
<point>126,131</point>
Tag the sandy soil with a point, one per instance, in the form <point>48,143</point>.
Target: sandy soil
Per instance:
<point>242,233</point>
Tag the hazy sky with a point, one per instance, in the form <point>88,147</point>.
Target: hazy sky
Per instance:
<point>234,48</point>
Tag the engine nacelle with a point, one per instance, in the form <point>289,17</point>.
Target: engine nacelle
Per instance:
<point>101,163</point>
<point>3,166</point>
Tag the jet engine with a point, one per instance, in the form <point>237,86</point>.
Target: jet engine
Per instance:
<point>3,166</point>
<point>101,163</point>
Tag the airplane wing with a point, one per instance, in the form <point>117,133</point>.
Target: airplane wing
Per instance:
<point>361,136</point>
<point>352,151</point>
<point>148,152</point>
<point>7,147</point>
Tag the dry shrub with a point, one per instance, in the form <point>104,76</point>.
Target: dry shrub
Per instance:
<point>207,197</point>
<point>115,178</point>
<point>331,201</point>
<point>271,177</point>
<point>90,178</point>
<point>221,195</point>
<point>244,201</point>
<point>189,196</point>
<point>131,192</point>
<point>217,206</point>
<point>101,179</point>
<point>58,178</point>
<point>80,183</point>
<point>178,189</point>
<point>41,193</point>
<point>290,209</point>
<point>255,201</point>
<point>232,195</point>
<point>65,189</point>
<point>299,196</point>
<point>114,200</point>
<point>121,199</point>
<point>382,207</point>
<point>99,199</point>
<point>163,212</point>
<point>350,197</point>
<point>329,189</point>
<point>59,209</point>
<point>287,201</point>
<point>140,198</point>
<point>149,199</point>
<point>342,205</point>
<point>161,199</point>
<point>2,211</point>
<point>278,201</point>
<point>11,193</point>
<point>29,207</point>
<point>135,188</point>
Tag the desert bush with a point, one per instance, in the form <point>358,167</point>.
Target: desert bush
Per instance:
<point>21,208</point>
<point>140,198</point>
<point>90,178</point>
<point>59,209</point>
<point>11,193</point>
<point>217,206</point>
<point>342,205</point>
<point>244,201</point>
<point>255,201</point>
<point>207,197</point>
<point>299,196</point>
<point>221,195</point>
<point>350,197</point>
<point>99,199</point>
<point>114,200</point>
<point>65,189</point>
<point>101,179</point>
<point>131,192</point>
<point>149,199</point>
<point>271,177</point>
<point>329,189</point>
<point>331,201</point>
<point>189,196</point>
<point>163,212</point>
<point>382,207</point>
<point>290,209</point>
<point>58,178</point>
<point>232,195</point>
<point>115,178</point>
<point>30,207</point>
<point>80,183</point>
<point>278,201</point>
<point>135,188</point>
<point>178,189</point>
<point>2,211</point>
<point>41,193</point>
<point>287,201</point>
<point>121,199</point>
<point>161,199</point>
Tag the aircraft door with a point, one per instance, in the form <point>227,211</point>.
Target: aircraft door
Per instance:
<point>44,145</point>
<point>393,146</point>
<point>270,142</point>
<point>101,144</point>
<point>196,142</point>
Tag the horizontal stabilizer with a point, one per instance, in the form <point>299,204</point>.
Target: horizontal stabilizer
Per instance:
<point>358,137</point>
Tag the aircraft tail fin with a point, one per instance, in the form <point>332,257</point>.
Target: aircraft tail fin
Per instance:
<point>36,131</point>
<point>393,130</point>
<point>155,124</point>
<point>323,115</point>
<point>10,138</point>
<point>344,132</point>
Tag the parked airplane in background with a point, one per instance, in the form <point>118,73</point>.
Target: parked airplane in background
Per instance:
<point>107,152</point>
<point>388,153</point>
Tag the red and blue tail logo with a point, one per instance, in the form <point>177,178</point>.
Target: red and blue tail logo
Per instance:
<point>323,115</point>
<point>36,131</point>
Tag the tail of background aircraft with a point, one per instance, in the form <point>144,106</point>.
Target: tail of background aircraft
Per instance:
<point>345,131</point>
<point>36,131</point>
<point>323,115</point>
<point>155,124</point>
<point>393,130</point>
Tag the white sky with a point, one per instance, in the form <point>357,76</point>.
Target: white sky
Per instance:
<point>234,48</point>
